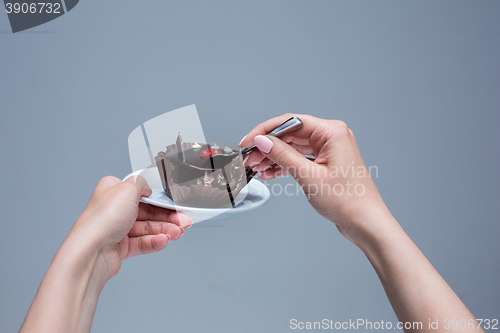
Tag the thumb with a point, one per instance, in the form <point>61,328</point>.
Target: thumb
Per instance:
<point>142,188</point>
<point>285,156</point>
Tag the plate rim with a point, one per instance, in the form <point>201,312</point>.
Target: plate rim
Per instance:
<point>266,196</point>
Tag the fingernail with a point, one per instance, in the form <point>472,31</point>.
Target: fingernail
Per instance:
<point>246,159</point>
<point>182,230</point>
<point>239,144</point>
<point>263,143</point>
<point>183,220</point>
<point>189,225</point>
<point>168,237</point>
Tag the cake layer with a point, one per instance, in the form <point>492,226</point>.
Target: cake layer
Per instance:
<point>190,180</point>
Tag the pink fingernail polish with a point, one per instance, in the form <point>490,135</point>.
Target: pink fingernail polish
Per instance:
<point>246,159</point>
<point>239,144</point>
<point>182,230</point>
<point>263,143</point>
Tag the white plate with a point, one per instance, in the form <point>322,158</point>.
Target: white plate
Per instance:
<point>257,195</point>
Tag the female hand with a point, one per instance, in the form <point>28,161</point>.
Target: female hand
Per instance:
<point>122,227</point>
<point>112,227</point>
<point>337,183</point>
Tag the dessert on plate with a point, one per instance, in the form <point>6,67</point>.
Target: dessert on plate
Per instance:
<point>202,175</point>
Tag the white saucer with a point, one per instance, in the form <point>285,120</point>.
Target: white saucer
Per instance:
<point>257,195</point>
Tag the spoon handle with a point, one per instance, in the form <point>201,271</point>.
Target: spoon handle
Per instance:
<point>288,126</point>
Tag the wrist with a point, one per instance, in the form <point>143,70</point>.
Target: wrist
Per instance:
<point>81,253</point>
<point>373,228</point>
<point>69,290</point>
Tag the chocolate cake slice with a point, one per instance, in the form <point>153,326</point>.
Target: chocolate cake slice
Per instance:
<point>192,176</point>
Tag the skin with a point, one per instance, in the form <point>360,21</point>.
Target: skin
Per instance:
<point>414,288</point>
<point>115,226</point>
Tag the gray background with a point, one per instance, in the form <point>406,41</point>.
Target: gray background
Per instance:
<point>417,81</point>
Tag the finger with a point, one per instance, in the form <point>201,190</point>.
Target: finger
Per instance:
<point>147,244</point>
<point>310,123</point>
<point>264,165</point>
<point>153,213</point>
<point>290,138</point>
<point>142,185</point>
<point>273,172</point>
<point>285,156</point>
<point>254,158</point>
<point>106,182</point>
<point>180,219</point>
<point>144,228</point>
<point>353,138</point>
<point>305,150</point>
<point>129,188</point>
<point>125,190</point>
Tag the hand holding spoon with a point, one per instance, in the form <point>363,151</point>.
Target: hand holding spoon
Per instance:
<point>292,124</point>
